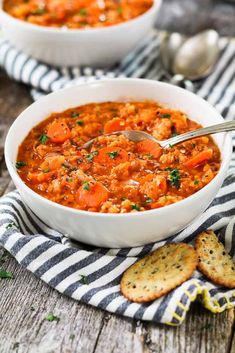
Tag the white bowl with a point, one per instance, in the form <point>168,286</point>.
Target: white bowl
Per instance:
<point>118,230</point>
<point>100,47</point>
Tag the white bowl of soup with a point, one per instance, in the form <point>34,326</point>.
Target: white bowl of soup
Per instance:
<point>78,33</point>
<point>118,193</point>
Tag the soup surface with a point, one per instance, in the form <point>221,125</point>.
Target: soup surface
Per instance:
<point>115,175</point>
<point>76,13</point>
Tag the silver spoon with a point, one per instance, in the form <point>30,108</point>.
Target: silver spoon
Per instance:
<point>189,59</point>
<point>197,56</point>
<point>136,136</point>
<point>170,44</point>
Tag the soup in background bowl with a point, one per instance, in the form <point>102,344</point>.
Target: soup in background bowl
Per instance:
<point>77,39</point>
<point>76,13</point>
<point>118,229</point>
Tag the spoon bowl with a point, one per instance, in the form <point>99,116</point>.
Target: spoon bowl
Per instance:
<point>170,44</point>
<point>187,59</point>
<point>197,56</point>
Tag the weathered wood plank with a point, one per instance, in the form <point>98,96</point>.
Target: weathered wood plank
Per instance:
<point>231,348</point>
<point>26,301</point>
<point>88,330</point>
<point>120,334</point>
<point>3,131</point>
<point>201,332</point>
<point>14,98</point>
<point>10,187</point>
<point>4,178</point>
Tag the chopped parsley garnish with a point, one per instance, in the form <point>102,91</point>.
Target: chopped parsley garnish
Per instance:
<point>150,156</point>
<point>196,182</point>
<point>74,114</point>
<point>5,274</point>
<point>80,122</point>
<point>134,206</point>
<point>83,12</point>
<point>119,10</point>
<point>69,166</point>
<point>83,279</point>
<point>11,225</point>
<point>20,164</point>
<point>43,139</point>
<point>174,177</point>
<point>170,146</point>
<point>52,317</point>
<point>148,200</point>
<point>86,186</point>
<point>165,116</point>
<point>113,154</point>
<point>91,156</point>
<point>39,11</point>
<point>46,170</point>
<point>193,145</point>
<point>174,134</point>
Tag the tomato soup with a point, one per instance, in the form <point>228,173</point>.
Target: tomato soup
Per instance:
<point>115,175</point>
<point>76,13</point>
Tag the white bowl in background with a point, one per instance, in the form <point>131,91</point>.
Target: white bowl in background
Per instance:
<point>129,229</point>
<point>96,47</point>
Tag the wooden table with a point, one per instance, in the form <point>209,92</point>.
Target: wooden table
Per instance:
<point>25,301</point>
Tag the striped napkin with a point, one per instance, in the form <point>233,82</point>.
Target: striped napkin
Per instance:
<point>92,275</point>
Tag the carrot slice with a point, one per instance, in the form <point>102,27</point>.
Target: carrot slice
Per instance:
<point>111,156</point>
<point>58,132</point>
<point>113,125</point>
<point>200,158</point>
<point>149,147</point>
<point>92,194</point>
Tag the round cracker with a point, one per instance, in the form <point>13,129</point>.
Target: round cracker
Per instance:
<point>214,261</point>
<point>159,272</point>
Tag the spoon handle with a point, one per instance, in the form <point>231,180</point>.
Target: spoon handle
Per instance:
<point>228,126</point>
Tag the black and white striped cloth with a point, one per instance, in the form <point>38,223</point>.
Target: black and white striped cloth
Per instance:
<point>63,264</point>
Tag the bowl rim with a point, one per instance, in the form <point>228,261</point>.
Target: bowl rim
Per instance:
<point>72,31</point>
<point>227,146</point>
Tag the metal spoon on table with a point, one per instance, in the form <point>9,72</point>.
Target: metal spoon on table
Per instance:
<point>136,136</point>
<point>189,59</point>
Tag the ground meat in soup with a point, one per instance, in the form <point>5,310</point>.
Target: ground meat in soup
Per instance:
<point>116,175</point>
